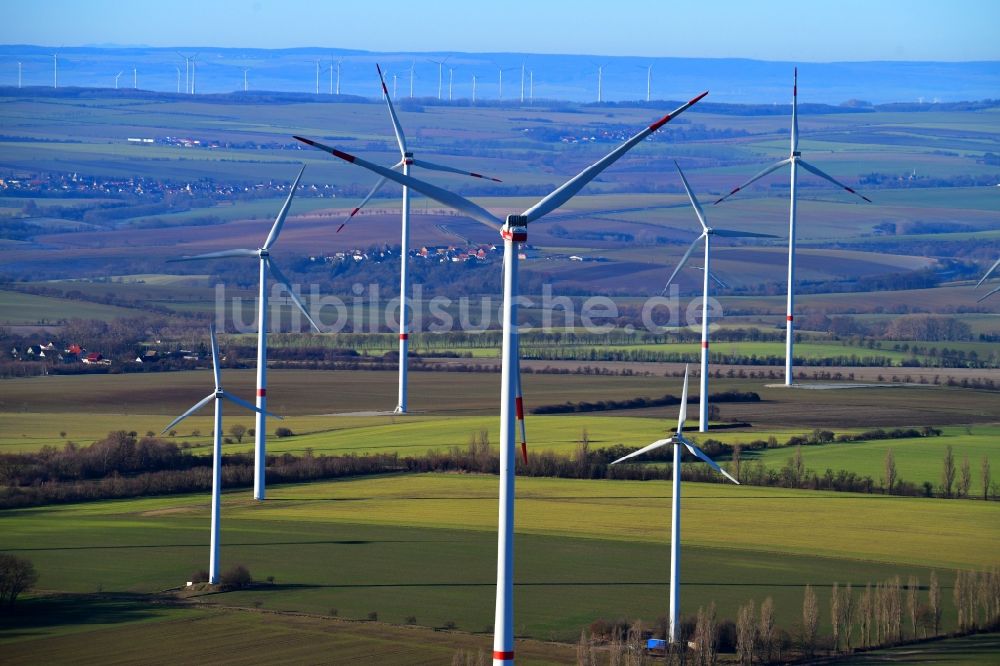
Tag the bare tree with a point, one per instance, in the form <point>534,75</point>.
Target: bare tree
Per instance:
<point>848,608</point>
<point>736,460</point>
<point>934,601</point>
<point>836,617</point>
<point>810,621</point>
<point>798,466</point>
<point>911,602</point>
<point>583,650</point>
<point>746,633</point>
<point>948,472</point>
<point>890,471</point>
<point>237,431</point>
<point>765,631</point>
<point>985,475</point>
<point>964,478</point>
<point>958,596</point>
<point>895,603</point>
<point>706,636</point>
<point>865,608</point>
<point>17,575</point>
<point>635,655</point>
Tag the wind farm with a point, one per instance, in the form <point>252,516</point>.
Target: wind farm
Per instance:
<point>851,520</point>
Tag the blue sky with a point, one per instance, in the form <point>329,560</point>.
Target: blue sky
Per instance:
<point>804,31</point>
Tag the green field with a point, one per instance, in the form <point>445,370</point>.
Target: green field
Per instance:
<point>917,460</point>
<point>424,546</point>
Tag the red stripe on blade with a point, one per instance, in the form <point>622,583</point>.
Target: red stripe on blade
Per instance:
<point>660,123</point>
<point>519,408</point>
<point>524,452</point>
<point>696,99</point>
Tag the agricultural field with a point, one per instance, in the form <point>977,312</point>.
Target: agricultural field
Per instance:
<point>392,545</point>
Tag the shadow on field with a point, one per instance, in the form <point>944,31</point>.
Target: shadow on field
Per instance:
<point>36,616</point>
<point>319,542</point>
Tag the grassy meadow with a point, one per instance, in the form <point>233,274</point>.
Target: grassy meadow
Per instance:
<point>585,549</point>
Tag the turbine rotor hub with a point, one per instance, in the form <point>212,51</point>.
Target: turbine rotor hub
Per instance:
<point>515,229</point>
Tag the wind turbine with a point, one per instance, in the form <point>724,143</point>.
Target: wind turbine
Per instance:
<point>677,440</point>
<point>513,231</point>
<point>187,75</point>
<point>413,65</point>
<point>984,278</point>
<point>440,64</point>
<point>317,76</point>
<point>795,160</point>
<point>55,70</point>
<point>218,395</point>
<point>267,266</point>
<point>245,85</point>
<point>18,73</point>
<point>406,161</point>
<point>706,233</point>
<point>451,80</point>
<point>600,82</point>
<point>522,82</point>
<point>135,78</point>
<point>339,62</point>
<point>178,79</point>
<point>473,88</point>
<point>117,76</point>
<point>649,81</point>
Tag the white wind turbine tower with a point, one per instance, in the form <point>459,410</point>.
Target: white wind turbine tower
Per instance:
<point>317,76</point>
<point>522,82</point>
<point>473,88</point>
<point>706,233</point>
<point>600,83</point>
<point>118,76</point>
<point>19,74</point>
<point>55,70</point>
<point>339,63</point>
<point>649,81</point>
<point>246,87</point>
<point>451,81</point>
<point>217,396</point>
<point>795,160</point>
<point>135,78</point>
<point>178,79</point>
<point>413,65</point>
<point>983,279</point>
<point>440,64</point>
<point>514,231</point>
<point>406,161</point>
<point>677,440</point>
<point>267,266</point>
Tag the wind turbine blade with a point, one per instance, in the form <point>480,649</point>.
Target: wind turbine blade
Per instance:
<point>201,403</point>
<point>215,358</point>
<point>224,254</point>
<point>684,403</point>
<point>397,128</point>
<point>683,260</point>
<point>808,167</point>
<point>280,220</point>
<point>280,277</point>
<point>773,167</point>
<point>565,192</point>
<point>519,405</point>
<point>795,111</point>
<point>646,449</point>
<point>695,451</point>
<point>357,209</point>
<point>727,233</point>
<point>988,273</point>
<point>692,198</point>
<point>459,203</point>
<point>253,408</point>
<point>439,167</point>
<point>995,290</point>
<point>720,282</point>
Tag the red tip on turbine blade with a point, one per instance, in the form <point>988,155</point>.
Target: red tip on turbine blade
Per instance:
<point>354,212</point>
<point>495,180</point>
<point>697,99</point>
<point>519,408</point>
<point>524,452</point>
<point>342,155</point>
